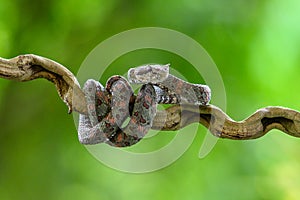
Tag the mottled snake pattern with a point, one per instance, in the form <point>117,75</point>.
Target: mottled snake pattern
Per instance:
<point>110,107</point>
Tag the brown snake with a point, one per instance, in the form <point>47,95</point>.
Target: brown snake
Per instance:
<point>109,107</point>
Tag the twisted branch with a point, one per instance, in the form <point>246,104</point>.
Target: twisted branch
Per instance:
<point>221,125</point>
<point>29,67</point>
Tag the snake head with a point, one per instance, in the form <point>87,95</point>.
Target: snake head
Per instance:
<point>150,73</point>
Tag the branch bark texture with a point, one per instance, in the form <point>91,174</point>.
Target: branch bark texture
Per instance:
<point>28,67</point>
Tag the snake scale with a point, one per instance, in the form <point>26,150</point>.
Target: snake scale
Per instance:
<point>109,107</point>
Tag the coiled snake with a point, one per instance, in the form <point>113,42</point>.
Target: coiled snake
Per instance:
<point>109,107</point>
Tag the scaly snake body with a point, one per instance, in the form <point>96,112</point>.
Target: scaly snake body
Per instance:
<point>109,107</point>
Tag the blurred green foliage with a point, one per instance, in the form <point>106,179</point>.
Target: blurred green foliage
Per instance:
<point>255,45</point>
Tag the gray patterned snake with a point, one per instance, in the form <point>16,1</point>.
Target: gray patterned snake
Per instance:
<point>109,107</point>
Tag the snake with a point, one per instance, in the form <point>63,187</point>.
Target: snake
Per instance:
<point>109,107</point>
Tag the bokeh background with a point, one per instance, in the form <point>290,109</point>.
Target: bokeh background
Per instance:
<point>256,46</point>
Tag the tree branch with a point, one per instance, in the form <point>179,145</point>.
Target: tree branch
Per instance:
<point>28,67</point>
<point>221,125</point>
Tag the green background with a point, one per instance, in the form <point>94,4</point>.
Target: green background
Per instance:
<point>255,45</point>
